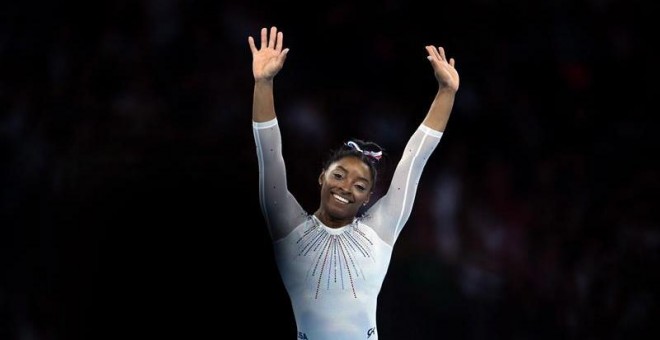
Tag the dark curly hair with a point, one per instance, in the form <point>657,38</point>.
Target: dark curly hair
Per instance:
<point>368,152</point>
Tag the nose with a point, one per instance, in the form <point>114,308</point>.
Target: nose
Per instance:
<point>345,186</point>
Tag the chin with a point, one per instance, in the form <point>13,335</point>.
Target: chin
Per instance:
<point>341,214</point>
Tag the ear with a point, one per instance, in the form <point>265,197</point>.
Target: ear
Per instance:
<point>368,198</point>
<point>321,177</point>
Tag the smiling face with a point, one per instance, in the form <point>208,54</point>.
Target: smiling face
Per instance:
<point>345,186</point>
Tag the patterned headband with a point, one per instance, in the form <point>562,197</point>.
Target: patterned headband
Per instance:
<point>373,154</point>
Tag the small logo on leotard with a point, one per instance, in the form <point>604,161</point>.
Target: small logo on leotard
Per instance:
<point>371,332</point>
<point>302,335</point>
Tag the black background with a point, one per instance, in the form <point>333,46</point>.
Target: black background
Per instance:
<point>129,176</point>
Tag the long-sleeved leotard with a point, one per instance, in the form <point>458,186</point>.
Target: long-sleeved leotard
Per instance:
<point>333,275</point>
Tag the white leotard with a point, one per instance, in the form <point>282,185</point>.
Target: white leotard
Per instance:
<point>333,275</point>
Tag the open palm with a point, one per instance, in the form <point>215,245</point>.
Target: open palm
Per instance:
<point>268,59</point>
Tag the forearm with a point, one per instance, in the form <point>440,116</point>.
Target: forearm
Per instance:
<point>280,208</point>
<point>392,211</point>
<point>263,103</point>
<point>440,110</point>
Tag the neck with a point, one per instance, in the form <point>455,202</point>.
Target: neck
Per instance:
<point>331,221</point>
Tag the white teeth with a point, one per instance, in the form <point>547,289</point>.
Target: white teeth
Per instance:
<point>341,199</point>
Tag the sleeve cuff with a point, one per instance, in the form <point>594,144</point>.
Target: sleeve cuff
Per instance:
<point>264,125</point>
<point>427,130</point>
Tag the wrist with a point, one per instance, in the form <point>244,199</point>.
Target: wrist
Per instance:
<point>447,90</point>
<point>263,81</point>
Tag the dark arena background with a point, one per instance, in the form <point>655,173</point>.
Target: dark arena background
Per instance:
<point>128,175</point>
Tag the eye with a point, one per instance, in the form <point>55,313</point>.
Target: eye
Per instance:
<point>361,187</point>
<point>337,175</point>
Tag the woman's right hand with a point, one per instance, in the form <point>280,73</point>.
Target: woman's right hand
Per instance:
<point>268,59</point>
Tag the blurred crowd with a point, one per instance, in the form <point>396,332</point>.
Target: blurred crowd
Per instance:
<point>128,164</point>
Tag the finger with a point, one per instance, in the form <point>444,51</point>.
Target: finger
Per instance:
<point>264,37</point>
<point>280,39</point>
<point>441,51</point>
<point>253,48</point>
<point>273,36</point>
<point>429,50</point>
<point>433,51</point>
<point>452,62</point>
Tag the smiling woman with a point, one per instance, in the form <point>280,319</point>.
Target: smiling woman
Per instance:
<point>347,181</point>
<point>333,262</point>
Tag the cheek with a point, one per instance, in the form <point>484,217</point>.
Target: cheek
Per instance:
<point>361,196</point>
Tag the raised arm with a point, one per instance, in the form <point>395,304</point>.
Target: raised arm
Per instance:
<point>280,208</point>
<point>267,61</point>
<point>448,82</point>
<point>390,213</point>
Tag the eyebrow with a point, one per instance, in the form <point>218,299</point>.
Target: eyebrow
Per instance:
<point>345,170</point>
